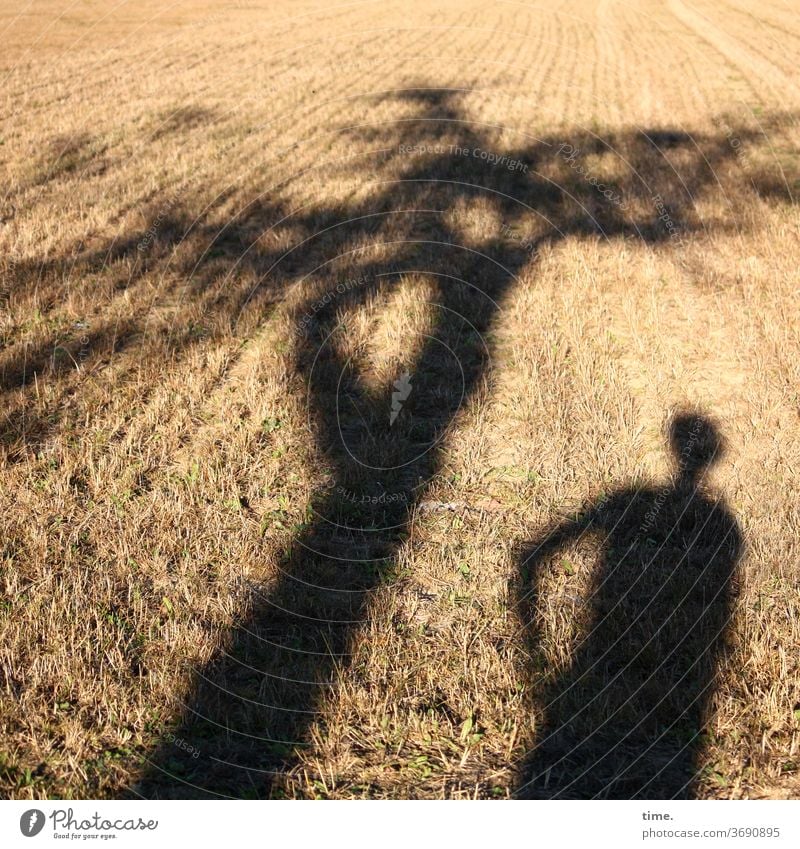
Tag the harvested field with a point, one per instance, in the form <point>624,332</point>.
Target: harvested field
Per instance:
<point>400,400</point>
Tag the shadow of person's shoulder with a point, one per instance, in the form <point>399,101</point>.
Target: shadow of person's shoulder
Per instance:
<point>624,506</point>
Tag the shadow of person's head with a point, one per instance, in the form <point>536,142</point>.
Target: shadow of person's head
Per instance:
<point>696,444</point>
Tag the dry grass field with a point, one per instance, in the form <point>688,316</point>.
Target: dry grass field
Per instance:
<point>400,399</point>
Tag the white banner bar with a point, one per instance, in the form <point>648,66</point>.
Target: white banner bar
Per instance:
<point>403,824</point>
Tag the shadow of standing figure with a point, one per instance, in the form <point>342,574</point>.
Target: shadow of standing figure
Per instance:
<point>625,720</point>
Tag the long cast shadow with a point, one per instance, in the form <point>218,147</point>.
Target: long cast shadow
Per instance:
<point>626,718</point>
<point>251,708</point>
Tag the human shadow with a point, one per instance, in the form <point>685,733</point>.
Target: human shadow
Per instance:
<point>627,717</point>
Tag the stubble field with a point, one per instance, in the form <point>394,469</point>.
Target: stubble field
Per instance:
<point>400,399</point>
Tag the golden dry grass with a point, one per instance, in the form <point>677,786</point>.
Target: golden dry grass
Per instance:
<point>224,572</point>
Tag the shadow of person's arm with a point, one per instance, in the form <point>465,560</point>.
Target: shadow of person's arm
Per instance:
<point>532,554</point>
<point>530,557</point>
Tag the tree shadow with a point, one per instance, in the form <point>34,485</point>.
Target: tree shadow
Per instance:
<point>547,196</point>
<point>251,708</point>
<point>627,716</point>
<point>253,705</point>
